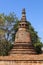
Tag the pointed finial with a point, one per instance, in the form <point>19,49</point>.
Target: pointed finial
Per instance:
<point>23,11</point>
<point>23,15</point>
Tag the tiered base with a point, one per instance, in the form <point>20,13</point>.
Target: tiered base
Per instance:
<point>22,49</point>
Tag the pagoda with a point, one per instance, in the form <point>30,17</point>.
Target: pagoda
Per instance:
<point>23,44</point>
<point>23,52</point>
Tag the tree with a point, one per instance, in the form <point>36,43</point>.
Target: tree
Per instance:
<point>11,22</point>
<point>5,47</point>
<point>7,26</point>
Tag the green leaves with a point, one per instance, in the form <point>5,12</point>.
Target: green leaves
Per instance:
<point>2,20</point>
<point>38,46</point>
<point>5,46</point>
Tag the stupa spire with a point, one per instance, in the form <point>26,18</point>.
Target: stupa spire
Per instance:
<point>23,18</point>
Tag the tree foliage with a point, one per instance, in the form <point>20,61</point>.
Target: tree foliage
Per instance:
<point>8,29</point>
<point>5,47</point>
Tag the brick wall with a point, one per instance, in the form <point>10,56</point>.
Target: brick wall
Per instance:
<point>22,60</point>
<point>20,63</point>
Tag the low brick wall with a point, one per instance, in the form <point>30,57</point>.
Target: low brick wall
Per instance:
<point>22,60</point>
<point>22,57</point>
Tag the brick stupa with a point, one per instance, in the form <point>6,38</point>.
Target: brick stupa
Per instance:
<point>23,43</point>
<point>23,52</point>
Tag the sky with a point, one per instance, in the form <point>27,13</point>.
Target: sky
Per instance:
<point>34,12</point>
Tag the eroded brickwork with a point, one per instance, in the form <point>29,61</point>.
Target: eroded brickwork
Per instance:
<point>20,63</point>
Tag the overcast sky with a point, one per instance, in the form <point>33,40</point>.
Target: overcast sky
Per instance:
<point>34,11</point>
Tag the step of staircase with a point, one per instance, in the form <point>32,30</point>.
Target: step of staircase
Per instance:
<point>22,52</point>
<point>22,49</point>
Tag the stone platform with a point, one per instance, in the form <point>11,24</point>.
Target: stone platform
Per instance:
<point>22,60</point>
